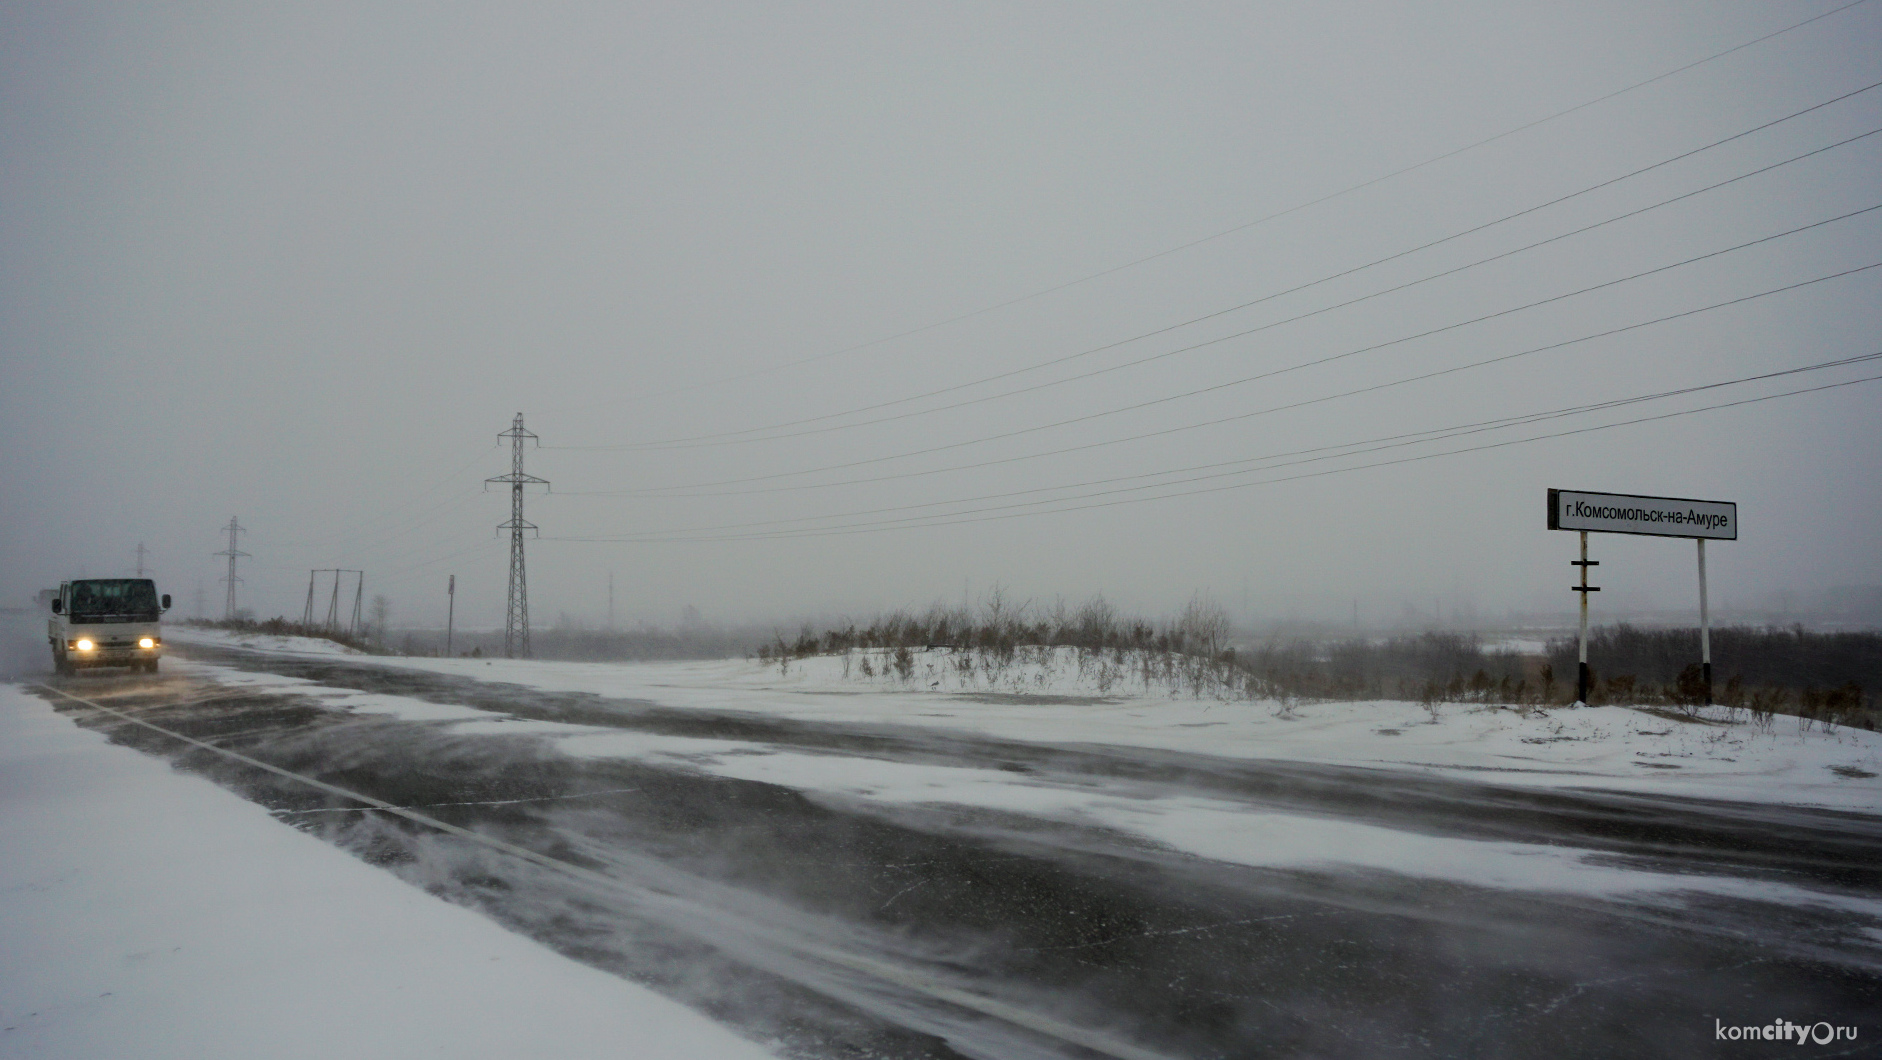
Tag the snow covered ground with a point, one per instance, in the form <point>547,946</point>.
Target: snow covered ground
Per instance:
<point>149,914</point>
<point>258,641</point>
<point>1603,747</point>
<point>1719,754</point>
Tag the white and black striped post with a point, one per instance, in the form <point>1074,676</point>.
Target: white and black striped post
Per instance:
<point>1581,670</point>
<point>1705,626</point>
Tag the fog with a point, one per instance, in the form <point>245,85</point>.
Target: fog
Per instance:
<point>302,264</point>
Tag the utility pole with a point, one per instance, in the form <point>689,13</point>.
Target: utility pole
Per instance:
<point>333,603</point>
<point>516,619</point>
<point>450,612</point>
<point>610,601</point>
<point>234,528</point>
<point>141,550</point>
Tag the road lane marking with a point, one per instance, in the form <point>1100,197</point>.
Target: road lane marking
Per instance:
<point>480,802</point>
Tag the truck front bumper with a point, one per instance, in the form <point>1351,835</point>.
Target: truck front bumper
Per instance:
<point>114,654</point>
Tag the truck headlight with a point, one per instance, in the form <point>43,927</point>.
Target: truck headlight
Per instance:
<point>84,644</point>
<point>147,642</point>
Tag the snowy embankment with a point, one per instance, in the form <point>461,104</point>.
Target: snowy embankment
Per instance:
<point>150,914</point>
<point>1715,753</point>
<point>257,641</point>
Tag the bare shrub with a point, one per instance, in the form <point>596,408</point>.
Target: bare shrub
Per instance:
<point>1203,627</point>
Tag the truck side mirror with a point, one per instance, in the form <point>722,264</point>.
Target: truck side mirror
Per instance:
<point>166,601</point>
<point>58,606</point>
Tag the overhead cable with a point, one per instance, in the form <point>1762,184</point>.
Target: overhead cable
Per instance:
<point>728,439</point>
<point>952,520</point>
<point>1272,372</point>
<point>1191,244</point>
<point>1317,453</point>
<point>1269,410</point>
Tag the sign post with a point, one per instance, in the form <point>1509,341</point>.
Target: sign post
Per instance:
<point>1581,667</point>
<point>1626,513</point>
<point>1705,629</point>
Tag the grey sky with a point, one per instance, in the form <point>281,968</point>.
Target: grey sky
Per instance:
<point>300,264</point>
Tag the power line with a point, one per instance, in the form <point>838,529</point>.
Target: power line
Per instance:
<point>1455,452</point>
<point>392,513</point>
<point>952,521</point>
<point>1329,197</point>
<point>732,437</point>
<point>1327,452</point>
<point>1275,408</point>
<point>391,578</point>
<point>445,509</point>
<point>1271,373</point>
<point>394,577</point>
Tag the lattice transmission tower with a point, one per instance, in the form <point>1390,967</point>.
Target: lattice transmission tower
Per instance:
<point>516,623</point>
<point>234,528</point>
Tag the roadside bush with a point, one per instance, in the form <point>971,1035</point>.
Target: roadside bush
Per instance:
<point>281,627</point>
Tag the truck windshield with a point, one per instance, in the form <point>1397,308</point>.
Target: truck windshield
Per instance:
<point>114,598</point>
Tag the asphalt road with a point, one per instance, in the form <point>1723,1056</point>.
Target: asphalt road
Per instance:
<point>1083,926</point>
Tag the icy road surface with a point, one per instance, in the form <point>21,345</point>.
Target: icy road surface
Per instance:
<point>1193,878</point>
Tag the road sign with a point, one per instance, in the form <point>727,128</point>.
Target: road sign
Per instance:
<point>1626,513</point>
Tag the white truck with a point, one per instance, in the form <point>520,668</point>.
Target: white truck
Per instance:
<point>107,622</point>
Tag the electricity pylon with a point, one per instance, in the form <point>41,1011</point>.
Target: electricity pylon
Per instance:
<point>516,622</point>
<point>234,528</point>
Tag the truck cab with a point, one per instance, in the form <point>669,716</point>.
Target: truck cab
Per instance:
<point>106,622</point>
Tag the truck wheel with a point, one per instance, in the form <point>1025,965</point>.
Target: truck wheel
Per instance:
<point>151,666</point>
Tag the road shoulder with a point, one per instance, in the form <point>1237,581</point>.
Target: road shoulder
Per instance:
<point>146,913</point>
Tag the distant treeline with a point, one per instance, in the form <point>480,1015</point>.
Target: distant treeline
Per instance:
<point>1829,676</point>
<point>1793,658</point>
<point>1203,629</point>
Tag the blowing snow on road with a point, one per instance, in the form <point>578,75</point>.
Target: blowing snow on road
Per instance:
<point>845,868</point>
